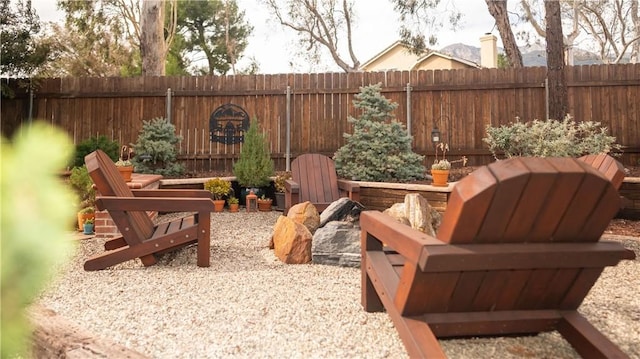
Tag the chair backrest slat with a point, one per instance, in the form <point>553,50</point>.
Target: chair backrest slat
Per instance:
<point>109,182</point>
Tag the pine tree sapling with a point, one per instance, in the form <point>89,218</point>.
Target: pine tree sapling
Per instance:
<point>255,166</point>
<point>379,149</point>
<point>156,148</point>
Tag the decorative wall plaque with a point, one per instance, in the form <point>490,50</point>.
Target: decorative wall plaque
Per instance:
<point>228,124</point>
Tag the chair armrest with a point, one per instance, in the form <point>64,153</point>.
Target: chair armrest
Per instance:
<point>349,186</point>
<point>198,193</point>
<point>399,237</point>
<point>291,186</point>
<point>160,204</point>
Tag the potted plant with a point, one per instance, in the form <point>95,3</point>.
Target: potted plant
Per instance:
<point>234,204</point>
<point>219,189</point>
<point>279,184</point>
<point>124,164</point>
<point>264,203</point>
<point>87,213</point>
<point>87,226</point>
<point>441,167</point>
<point>254,167</point>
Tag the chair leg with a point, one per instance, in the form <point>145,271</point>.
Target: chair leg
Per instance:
<point>204,239</point>
<point>117,256</point>
<point>370,300</point>
<point>586,339</point>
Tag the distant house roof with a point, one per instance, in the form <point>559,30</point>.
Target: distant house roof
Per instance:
<point>399,57</point>
<point>426,57</point>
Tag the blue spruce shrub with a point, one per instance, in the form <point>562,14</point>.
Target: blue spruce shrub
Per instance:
<point>379,149</point>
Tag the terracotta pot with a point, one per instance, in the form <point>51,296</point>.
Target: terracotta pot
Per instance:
<point>264,205</point>
<point>218,205</point>
<point>125,172</point>
<point>440,178</point>
<point>233,207</point>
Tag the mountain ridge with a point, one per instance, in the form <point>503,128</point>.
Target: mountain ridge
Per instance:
<point>531,56</point>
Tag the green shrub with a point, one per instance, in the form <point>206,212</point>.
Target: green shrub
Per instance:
<point>82,184</point>
<point>111,148</point>
<point>255,166</point>
<point>550,138</point>
<point>218,187</point>
<point>156,148</point>
<point>379,148</point>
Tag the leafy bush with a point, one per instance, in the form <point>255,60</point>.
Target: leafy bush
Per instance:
<point>218,187</point>
<point>156,148</point>
<point>280,181</point>
<point>379,148</point>
<point>550,138</point>
<point>82,184</point>
<point>255,166</point>
<point>111,148</point>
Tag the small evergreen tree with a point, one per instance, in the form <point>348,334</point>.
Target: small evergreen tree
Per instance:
<point>157,141</point>
<point>255,166</point>
<point>379,148</point>
<point>101,142</point>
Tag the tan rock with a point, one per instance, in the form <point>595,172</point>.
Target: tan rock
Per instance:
<point>398,213</point>
<point>418,211</point>
<point>291,241</point>
<point>306,214</point>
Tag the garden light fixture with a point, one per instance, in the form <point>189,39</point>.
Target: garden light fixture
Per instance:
<point>435,135</point>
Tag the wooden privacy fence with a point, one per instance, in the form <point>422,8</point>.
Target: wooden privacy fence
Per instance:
<point>461,103</point>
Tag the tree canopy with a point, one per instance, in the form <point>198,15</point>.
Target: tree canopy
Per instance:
<point>22,54</point>
<point>214,30</point>
<point>104,38</point>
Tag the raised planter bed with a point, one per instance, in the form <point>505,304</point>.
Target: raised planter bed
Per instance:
<point>630,191</point>
<point>382,195</point>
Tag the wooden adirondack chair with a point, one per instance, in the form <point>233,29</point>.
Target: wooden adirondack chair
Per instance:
<point>314,179</point>
<point>140,237</point>
<point>517,252</point>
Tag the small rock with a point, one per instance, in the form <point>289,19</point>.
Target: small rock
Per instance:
<point>291,241</point>
<point>306,214</point>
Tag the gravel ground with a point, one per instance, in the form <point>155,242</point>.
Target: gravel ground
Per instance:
<point>250,305</point>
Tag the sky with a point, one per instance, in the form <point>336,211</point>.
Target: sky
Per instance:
<point>375,29</point>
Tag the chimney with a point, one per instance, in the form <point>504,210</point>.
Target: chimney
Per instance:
<point>488,51</point>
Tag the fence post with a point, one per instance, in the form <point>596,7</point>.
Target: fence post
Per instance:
<point>288,138</point>
<point>30,103</point>
<point>168,103</point>
<point>409,110</point>
<point>546,97</point>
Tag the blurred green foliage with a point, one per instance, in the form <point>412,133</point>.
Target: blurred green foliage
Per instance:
<point>36,208</point>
